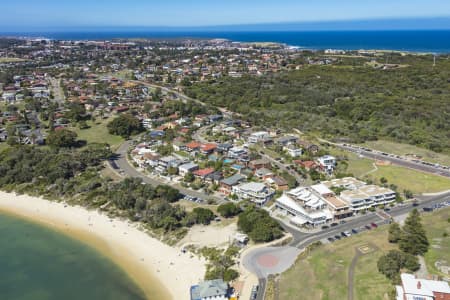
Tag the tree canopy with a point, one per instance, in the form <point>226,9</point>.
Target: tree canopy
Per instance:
<point>62,138</point>
<point>125,125</point>
<point>414,239</point>
<point>259,226</point>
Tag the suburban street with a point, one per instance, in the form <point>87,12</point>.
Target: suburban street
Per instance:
<point>57,91</point>
<point>301,239</point>
<point>283,167</point>
<point>121,163</point>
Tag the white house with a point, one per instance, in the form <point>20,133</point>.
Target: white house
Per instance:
<point>210,290</point>
<point>327,162</point>
<point>187,168</point>
<point>258,137</point>
<point>413,288</point>
<point>293,150</point>
<point>256,192</point>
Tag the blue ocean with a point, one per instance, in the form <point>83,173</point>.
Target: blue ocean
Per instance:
<point>435,41</point>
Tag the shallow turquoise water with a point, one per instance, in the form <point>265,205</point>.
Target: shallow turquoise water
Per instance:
<point>37,263</point>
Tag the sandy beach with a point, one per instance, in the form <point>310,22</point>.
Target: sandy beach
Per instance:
<point>162,272</point>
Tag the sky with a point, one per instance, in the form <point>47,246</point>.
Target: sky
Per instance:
<point>32,15</point>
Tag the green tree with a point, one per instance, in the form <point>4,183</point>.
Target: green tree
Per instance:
<point>203,215</point>
<point>391,264</point>
<point>395,233</point>
<point>228,210</point>
<point>125,125</point>
<point>414,239</point>
<point>63,138</point>
<point>189,177</point>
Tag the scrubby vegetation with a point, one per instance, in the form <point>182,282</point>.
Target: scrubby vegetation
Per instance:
<point>351,101</point>
<point>259,226</point>
<point>72,175</point>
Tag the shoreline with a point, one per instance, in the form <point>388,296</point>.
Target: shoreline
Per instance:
<point>160,271</point>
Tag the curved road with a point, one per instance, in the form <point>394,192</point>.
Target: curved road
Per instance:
<point>122,163</point>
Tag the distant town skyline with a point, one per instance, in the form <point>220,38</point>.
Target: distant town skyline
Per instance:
<point>28,15</point>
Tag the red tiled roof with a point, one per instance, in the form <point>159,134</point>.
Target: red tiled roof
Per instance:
<point>208,147</point>
<point>193,145</point>
<point>203,172</point>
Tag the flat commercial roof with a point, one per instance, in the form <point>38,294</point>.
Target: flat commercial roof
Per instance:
<point>374,190</point>
<point>335,202</point>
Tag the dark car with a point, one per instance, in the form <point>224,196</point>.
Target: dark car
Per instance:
<point>415,203</point>
<point>330,239</point>
<point>373,225</point>
<point>325,227</point>
<point>368,227</point>
<point>343,234</point>
<point>354,231</point>
<point>428,209</point>
<point>337,237</point>
<point>334,224</point>
<point>342,222</point>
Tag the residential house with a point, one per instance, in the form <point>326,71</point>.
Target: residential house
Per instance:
<point>327,162</point>
<point>214,177</point>
<point>210,290</point>
<point>187,168</point>
<point>203,173</point>
<point>259,163</point>
<point>413,288</point>
<point>226,185</point>
<point>257,137</point>
<point>286,140</point>
<point>207,149</point>
<point>310,147</point>
<point>307,164</point>
<point>256,192</point>
<point>263,173</point>
<point>279,182</point>
<point>293,151</point>
<point>193,146</point>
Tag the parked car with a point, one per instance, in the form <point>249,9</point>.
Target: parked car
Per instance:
<point>334,224</point>
<point>342,222</point>
<point>368,227</point>
<point>354,231</point>
<point>330,239</point>
<point>337,237</point>
<point>373,225</point>
<point>325,227</point>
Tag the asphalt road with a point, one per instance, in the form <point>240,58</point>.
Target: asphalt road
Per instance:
<point>282,166</point>
<point>301,239</point>
<point>396,161</point>
<point>121,163</point>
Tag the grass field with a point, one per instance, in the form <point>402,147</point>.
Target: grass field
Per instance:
<point>436,224</point>
<point>98,133</point>
<point>403,149</point>
<point>415,181</point>
<point>10,59</point>
<point>323,273</point>
<point>3,146</point>
<point>403,178</point>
